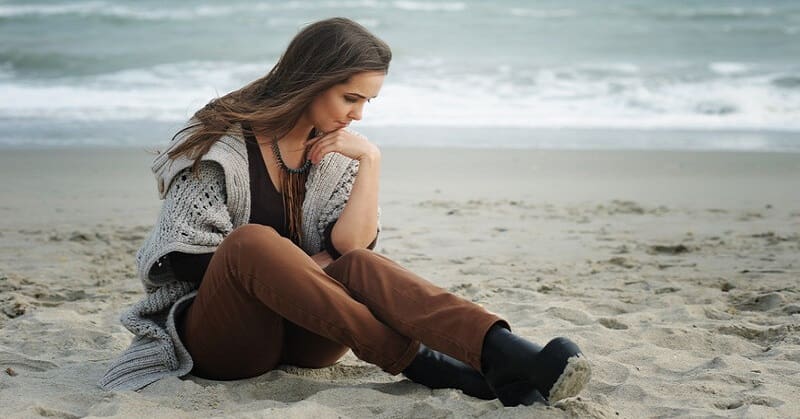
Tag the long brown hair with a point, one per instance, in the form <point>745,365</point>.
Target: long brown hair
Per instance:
<point>321,55</point>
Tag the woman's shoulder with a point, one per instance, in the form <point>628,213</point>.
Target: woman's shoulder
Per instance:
<point>229,151</point>
<point>204,183</point>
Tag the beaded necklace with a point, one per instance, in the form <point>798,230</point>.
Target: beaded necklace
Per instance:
<point>293,191</point>
<point>277,152</point>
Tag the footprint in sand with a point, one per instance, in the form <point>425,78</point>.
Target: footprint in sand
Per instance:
<point>474,270</point>
<point>612,323</point>
<point>748,400</point>
<point>607,374</point>
<point>763,336</point>
<point>20,363</point>
<point>750,216</point>
<point>14,305</point>
<point>622,262</point>
<point>571,315</point>
<point>761,302</point>
<point>668,249</point>
<point>792,309</point>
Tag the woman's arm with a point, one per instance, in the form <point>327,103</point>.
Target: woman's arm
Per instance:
<point>331,249</point>
<point>358,222</point>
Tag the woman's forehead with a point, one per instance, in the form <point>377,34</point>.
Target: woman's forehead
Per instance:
<point>366,84</point>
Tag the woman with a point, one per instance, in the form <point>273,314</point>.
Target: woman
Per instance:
<point>260,255</point>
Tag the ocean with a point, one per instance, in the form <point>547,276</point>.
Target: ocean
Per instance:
<point>669,74</point>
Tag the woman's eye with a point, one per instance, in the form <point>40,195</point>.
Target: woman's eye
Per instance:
<point>350,100</point>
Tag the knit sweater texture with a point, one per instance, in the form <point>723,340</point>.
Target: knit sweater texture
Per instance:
<point>196,215</point>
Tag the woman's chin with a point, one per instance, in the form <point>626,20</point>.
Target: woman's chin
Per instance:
<point>333,127</point>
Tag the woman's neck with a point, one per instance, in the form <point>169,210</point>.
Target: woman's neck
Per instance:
<point>294,139</point>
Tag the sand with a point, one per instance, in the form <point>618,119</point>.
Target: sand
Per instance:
<point>676,272</point>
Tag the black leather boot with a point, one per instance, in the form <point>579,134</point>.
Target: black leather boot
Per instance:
<point>437,370</point>
<point>521,372</point>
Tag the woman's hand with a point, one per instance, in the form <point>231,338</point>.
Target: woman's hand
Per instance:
<point>343,141</point>
<point>322,258</point>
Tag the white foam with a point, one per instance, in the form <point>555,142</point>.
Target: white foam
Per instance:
<point>430,7</point>
<point>543,13</point>
<point>728,68</point>
<point>121,11</point>
<point>606,95</point>
<point>166,92</point>
<point>110,9</point>
<point>721,12</point>
<point>49,9</point>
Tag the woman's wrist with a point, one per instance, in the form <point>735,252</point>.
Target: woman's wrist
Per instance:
<point>373,156</point>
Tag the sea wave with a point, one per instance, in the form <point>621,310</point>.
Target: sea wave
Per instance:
<point>716,12</point>
<point>430,7</point>
<point>543,13</point>
<point>728,68</point>
<point>211,10</point>
<point>104,9</point>
<point>713,12</point>
<point>611,95</point>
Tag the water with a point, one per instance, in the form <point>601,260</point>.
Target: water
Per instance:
<point>129,72</point>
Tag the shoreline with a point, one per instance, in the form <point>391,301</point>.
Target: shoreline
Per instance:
<point>32,134</point>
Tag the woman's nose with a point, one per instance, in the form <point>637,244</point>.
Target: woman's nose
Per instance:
<point>355,113</point>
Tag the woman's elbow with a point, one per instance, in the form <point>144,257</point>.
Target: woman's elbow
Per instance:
<point>345,245</point>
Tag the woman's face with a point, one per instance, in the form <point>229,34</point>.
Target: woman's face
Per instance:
<point>339,105</point>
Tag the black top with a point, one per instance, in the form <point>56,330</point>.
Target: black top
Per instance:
<point>266,208</point>
<point>266,204</point>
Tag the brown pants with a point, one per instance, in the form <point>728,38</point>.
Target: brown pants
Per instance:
<point>264,302</point>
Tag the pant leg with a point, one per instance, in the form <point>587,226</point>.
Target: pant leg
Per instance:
<point>256,278</point>
<point>304,348</point>
<point>415,307</point>
<point>228,333</point>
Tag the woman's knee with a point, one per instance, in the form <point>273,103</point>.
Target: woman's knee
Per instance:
<point>249,230</point>
<point>260,239</point>
<point>251,234</point>
<point>357,254</point>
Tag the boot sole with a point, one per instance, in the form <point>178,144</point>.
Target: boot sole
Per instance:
<point>522,392</point>
<point>572,380</point>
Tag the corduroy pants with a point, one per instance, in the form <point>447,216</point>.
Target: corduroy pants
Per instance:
<point>265,302</point>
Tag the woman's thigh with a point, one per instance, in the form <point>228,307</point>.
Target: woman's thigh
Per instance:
<point>304,348</point>
<point>231,334</point>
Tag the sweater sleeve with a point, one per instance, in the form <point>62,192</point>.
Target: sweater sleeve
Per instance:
<point>194,219</point>
<point>189,267</point>
<point>328,241</point>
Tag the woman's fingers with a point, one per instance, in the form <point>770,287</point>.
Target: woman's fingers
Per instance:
<point>316,142</point>
<point>321,151</point>
<point>318,138</point>
<point>313,153</point>
<point>348,143</point>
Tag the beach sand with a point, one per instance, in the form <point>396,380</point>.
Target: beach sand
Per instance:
<point>676,272</point>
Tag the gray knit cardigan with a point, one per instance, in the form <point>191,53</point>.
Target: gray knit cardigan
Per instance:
<point>197,214</point>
